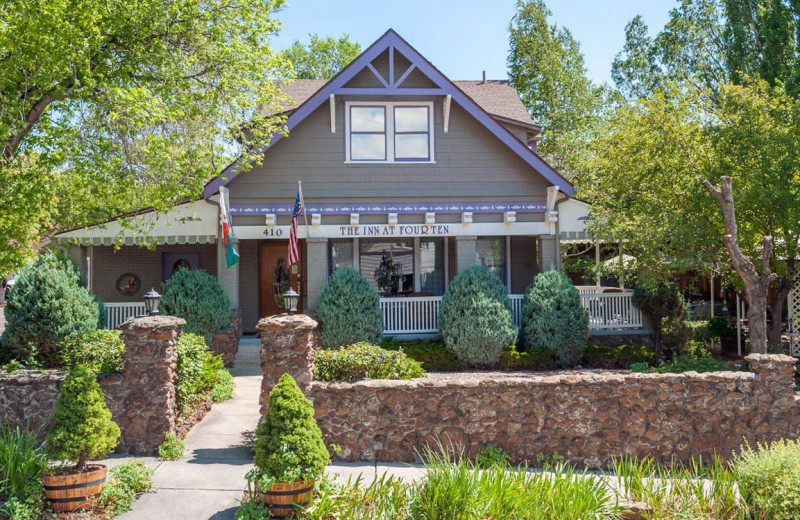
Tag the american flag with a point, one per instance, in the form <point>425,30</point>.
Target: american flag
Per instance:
<point>294,255</point>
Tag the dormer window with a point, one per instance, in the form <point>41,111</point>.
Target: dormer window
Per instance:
<point>388,132</point>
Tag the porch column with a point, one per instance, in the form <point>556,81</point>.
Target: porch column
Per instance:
<point>548,253</point>
<point>228,276</point>
<point>465,252</point>
<point>316,270</point>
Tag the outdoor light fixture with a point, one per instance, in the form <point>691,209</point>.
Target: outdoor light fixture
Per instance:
<point>151,300</point>
<point>290,300</point>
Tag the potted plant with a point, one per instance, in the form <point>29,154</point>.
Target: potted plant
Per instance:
<point>289,452</point>
<point>82,431</point>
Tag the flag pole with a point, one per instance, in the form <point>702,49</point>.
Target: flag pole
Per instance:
<point>303,204</point>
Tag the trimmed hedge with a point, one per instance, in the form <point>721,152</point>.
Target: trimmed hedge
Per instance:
<point>198,298</point>
<point>475,318</point>
<point>538,359</point>
<point>364,361</point>
<point>433,355</point>
<point>101,351</point>
<point>623,356</point>
<point>349,310</point>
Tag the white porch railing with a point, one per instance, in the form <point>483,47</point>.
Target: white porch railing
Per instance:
<point>420,314</point>
<point>118,312</point>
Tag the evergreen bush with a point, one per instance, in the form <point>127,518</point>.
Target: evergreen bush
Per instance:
<point>101,351</point>
<point>659,301</point>
<point>198,298</point>
<point>47,305</point>
<point>288,446</point>
<point>364,361</point>
<point>82,427</point>
<point>554,318</point>
<point>475,318</point>
<point>349,310</point>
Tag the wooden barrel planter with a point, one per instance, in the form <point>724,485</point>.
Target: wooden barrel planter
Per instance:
<point>283,499</point>
<point>69,492</point>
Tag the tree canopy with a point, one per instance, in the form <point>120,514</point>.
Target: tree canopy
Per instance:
<point>114,106</point>
<point>321,58</point>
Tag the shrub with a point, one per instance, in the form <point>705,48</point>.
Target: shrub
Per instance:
<point>198,298</point>
<point>769,479</point>
<point>198,371</point>
<point>100,351</point>
<point>623,356</point>
<point>82,427</point>
<point>475,318</point>
<point>491,456</point>
<point>364,361</point>
<point>529,359</point>
<point>46,306</point>
<point>288,446</point>
<point>22,462</point>
<point>699,331</point>
<point>433,355</point>
<point>659,301</point>
<point>640,368</point>
<point>125,482</point>
<point>718,327</point>
<point>554,318</point>
<point>675,335</point>
<point>223,390</point>
<point>172,447</point>
<point>687,363</point>
<point>349,310</point>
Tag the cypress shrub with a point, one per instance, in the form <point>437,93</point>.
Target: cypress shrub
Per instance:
<point>475,318</point>
<point>349,310</point>
<point>47,305</point>
<point>553,317</point>
<point>198,298</point>
<point>82,427</point>
<point>288,446</point>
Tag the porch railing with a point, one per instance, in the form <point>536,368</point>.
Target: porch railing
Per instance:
<point>118,312</point>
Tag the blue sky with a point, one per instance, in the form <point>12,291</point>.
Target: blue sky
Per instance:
<point>464,37</point>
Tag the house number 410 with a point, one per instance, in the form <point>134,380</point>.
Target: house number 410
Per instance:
<point>273,232</point>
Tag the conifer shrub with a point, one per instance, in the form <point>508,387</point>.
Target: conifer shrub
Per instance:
<point>475,318</point>
<point>364,361</point>
<point>47,305</point>
<point>554,318</point>
<point>82,427</point>
<point>288,446</point>
<point>198,298</point>
<point>349,310</point>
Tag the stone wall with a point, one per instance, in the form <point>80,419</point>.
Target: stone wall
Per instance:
<point>141,398</point>
<point>226,340</point>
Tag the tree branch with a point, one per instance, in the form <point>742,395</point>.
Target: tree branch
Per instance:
<point>33,117</point>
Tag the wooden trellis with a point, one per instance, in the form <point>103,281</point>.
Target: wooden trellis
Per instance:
<point>793,301</point>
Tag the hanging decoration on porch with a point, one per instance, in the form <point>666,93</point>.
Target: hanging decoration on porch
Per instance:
<point>388,274</point>
<point>128,284</point>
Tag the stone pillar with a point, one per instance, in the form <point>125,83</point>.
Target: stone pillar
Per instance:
<point>145,408</point>
<point>287,347</point>
<point>466,255</point>
<point>316,270</point>
<point>775,395</point>
<point>548,253</point>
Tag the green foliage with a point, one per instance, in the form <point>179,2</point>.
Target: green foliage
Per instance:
<point>251,510</point>
<point>699,331</point>
<point>125,482</point>
<point>321,58</point>
<point>769,479</point>
<point>46,306</point>
<point>529,359</point>
<point>198,372</point>
<point>364,361</point>
<point>100,351</point>
<point>688,363</point>
<point>126,105</point>
<point>172,447</point>
<point>623,356</point>
<point>718,327</point>
<point>223,389</point>
<point>665,306</point>
<point>475,317</point>
<point>554,318</point>
<point>491,456</point>
<point>349,310</point>
<point>384,497</point>
<point>433,355</point>
<point>198,298</point>
<point>22,461</point>
<point>640,367</point>
<point>675,335</point>
<point>82,427</point>
<point>288,446</point>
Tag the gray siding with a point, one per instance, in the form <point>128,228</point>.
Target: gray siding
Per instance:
<point>248,283</point>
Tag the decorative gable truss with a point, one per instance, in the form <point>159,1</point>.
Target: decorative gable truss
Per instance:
<point>392,67</point>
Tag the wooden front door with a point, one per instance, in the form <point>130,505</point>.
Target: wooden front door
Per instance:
<point>275,277</point>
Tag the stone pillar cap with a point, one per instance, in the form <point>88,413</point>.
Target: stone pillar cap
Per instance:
<point>771,358</point>
<point>286,321</point>
<point>153,323</point>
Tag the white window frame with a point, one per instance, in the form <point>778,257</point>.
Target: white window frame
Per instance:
<point>389,107</point>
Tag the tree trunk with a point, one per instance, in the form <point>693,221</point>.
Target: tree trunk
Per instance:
<point>756,284</point>
<point>776,312</point>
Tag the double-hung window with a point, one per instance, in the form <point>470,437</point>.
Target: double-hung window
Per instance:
<point>389,132</point>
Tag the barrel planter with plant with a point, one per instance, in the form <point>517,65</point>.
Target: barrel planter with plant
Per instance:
<point>290,455</point>
<point>82,431</point>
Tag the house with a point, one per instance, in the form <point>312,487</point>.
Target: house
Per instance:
<point>399,165</point>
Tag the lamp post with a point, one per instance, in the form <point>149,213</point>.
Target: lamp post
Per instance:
<point>290,299</point>
<point>151,299</point>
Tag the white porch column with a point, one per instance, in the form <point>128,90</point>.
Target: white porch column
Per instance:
<point>465,252</point>
<point>316,270</point>
<point>548,253</point>
<point>228,276</point>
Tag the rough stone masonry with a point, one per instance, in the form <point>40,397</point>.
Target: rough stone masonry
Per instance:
<point>589,418</point>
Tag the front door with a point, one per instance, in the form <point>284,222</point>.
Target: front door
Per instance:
<point>275,277</point>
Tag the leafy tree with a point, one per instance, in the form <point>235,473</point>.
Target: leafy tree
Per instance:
<point>321,58</point>
<point>82,427</point>
<point>349,310</point>
<point>660,301</point>
<point>546,67</point>
<point>198,298</point>
<point>115,106</point>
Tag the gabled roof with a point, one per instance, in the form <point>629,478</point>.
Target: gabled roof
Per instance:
<point>393,43</point>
